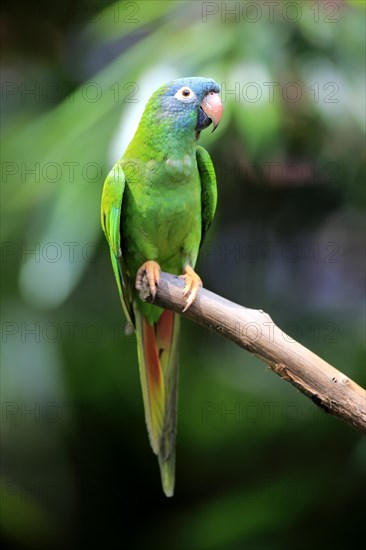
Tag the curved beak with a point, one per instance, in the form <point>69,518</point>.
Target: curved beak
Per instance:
<point>212,106</point>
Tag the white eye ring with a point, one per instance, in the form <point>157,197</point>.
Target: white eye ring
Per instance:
<point>185,94</point>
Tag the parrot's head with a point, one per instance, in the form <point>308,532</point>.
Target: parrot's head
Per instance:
<point>191,104</point>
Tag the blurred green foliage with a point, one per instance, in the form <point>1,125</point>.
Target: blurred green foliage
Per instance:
<point>258,465</point>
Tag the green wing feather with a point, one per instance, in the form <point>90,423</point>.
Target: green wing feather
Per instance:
<point>208,189</point>
<point>112,196</point>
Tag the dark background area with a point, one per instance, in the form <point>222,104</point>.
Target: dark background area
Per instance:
<point>258,465</point>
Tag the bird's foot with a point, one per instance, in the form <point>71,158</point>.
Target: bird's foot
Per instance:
<point>152,270</point>
<point>192,286</point>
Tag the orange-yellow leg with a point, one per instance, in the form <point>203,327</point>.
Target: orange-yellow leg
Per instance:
<point>152,270</point>
<point>193,284</point>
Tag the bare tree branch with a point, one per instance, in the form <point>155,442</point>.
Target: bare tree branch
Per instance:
<point>255,331</point>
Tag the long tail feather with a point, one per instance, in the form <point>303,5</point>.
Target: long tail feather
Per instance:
<point>158,363</point>
<point>167,331</point>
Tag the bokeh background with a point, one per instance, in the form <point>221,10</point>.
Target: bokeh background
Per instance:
<point>258,466</point>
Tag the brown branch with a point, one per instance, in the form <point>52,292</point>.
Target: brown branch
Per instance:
<point>255,331</point>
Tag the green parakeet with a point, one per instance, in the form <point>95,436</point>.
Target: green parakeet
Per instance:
<point>158,202</point>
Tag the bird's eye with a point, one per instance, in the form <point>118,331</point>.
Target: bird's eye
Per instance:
<point>184,93</point>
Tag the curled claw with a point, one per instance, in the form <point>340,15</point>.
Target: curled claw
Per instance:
<point>152,271</point>
<point>192,286</point>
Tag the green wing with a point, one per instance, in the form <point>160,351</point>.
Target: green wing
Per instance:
<point>112,196</point>
<point>209,189</point>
